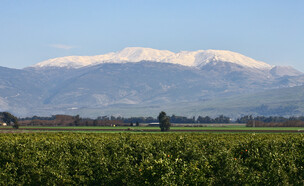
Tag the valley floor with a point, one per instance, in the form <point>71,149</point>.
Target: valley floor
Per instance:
<point>208,128</point>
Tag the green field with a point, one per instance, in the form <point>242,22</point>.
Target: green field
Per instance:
<point>220,127</point>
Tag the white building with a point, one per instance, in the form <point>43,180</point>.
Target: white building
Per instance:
<point>154,124</point>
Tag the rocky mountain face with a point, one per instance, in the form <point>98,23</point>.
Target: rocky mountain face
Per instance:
<point>113,84</point>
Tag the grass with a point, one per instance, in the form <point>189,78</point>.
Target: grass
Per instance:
<point>207,127</point>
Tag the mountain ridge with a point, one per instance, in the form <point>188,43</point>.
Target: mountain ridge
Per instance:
<point>197,58</point>
<point>181,82</point>
<point>118,87</point>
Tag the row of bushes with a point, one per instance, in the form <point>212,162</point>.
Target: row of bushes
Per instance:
<point>152,159</point>
<point>289,123</point>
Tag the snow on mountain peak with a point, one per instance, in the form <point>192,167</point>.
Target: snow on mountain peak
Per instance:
<point>207,56</point>
<point>136,54</point>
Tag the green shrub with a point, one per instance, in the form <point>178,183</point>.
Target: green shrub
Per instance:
<point>153,159</point>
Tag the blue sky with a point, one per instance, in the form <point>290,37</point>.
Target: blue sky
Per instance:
<point>32,31</point>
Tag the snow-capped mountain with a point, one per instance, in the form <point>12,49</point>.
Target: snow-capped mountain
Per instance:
<point>140,81</point>
<point>136,54</point>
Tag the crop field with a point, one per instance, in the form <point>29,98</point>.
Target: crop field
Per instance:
<point>224,128</point>
<point>151,159</point>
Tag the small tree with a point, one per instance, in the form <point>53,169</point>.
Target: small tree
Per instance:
<point>137,123</point>
<point>76,120</point>
<point>131,124</point>
<point>164,121</point>
<point>16,125</point>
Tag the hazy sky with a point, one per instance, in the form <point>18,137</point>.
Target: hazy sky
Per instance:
<point>268,30</point>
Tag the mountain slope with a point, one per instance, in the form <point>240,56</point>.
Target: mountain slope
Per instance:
<point>185,82</point>
<point>283,102</point>
<point>148,85</point>
<point>280,102</point>
<point>279,71</point>
<point>19,89</point>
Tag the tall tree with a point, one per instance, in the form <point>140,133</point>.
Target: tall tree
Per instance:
<point>164,121</point>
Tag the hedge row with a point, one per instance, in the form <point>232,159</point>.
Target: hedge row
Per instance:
<point>152,159</point>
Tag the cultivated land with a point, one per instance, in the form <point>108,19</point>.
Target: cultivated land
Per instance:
<point>151,159</point>
<point>176,128</point>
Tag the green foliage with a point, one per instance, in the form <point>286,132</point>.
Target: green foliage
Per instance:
<point>164,121</point>
<point>9,119</point>
<point>16,125</point>
<point>151,159</point>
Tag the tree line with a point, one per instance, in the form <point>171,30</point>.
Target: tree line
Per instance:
<point>68,120</point>
<point>270,119</point>
<point>172,119</point>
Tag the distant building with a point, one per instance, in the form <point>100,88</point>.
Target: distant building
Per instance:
<point>154,124</point>
<point>3,124</point>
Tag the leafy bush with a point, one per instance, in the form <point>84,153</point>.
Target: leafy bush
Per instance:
<point>153,159</point>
